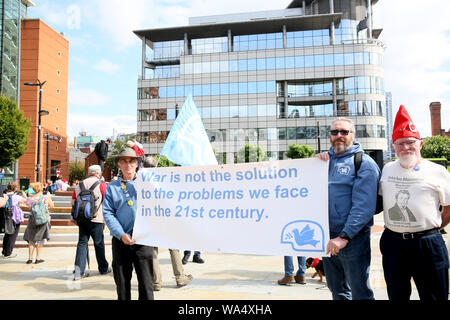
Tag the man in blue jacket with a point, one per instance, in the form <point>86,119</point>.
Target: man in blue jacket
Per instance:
<point>351,205</point>
<point>119,212</point>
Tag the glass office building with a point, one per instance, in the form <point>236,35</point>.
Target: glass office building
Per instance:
<point>267,78</point>
<point>11,13</point>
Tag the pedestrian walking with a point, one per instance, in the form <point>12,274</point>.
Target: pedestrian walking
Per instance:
<point>9,239</point>
<point>38,228</point>
<point>88,228</point>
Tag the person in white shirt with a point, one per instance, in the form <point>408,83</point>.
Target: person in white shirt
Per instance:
<point>417,191</point>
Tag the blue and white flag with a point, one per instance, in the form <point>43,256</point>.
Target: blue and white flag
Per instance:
<point>188,143</point>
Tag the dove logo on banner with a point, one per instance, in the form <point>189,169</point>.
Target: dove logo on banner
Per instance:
<point>188,143</point>
<point>304,235</point>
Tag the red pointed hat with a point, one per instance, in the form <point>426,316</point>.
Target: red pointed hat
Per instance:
<point>404,126</point>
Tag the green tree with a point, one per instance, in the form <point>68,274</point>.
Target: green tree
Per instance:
<point>297,151</point>
<point>251,153</point>
<point>163,161</point>
<point>113,151</point>
<point>436,147</point>
<point>14,130</point>
<point>76,171</point>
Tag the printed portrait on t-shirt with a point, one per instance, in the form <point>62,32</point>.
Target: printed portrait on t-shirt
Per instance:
<point>400,211</point>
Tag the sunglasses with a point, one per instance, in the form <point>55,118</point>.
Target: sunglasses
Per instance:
<point>343,132</point>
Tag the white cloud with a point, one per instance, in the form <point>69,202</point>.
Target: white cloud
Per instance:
<point>99,125</point>
<point>416,58</point>
<point>107,66</point>
<point>87,97</point>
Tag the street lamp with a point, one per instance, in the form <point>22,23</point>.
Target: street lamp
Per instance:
<point>40,114</point>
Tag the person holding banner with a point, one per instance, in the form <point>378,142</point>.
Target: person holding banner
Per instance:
<point>351,206</point>
<point>181,278</point>
<point>119,212</point>
<point>412,245</point>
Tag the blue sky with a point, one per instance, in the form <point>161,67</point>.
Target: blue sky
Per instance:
<point>105,55</point>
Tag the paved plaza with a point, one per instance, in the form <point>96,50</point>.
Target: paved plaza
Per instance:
<point>221,277</point>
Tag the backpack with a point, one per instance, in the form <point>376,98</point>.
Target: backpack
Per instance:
<point>357,163</point>
<point>84,209</point>
<point>7,224</point>
<point>17,213</point>
<point>39,212</point>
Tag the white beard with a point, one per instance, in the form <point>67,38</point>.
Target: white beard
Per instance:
<point>408,160</point>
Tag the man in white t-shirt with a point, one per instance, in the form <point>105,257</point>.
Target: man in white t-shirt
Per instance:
<point>414,191</point>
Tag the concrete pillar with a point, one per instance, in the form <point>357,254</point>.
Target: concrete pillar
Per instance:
<point>284,37</point>
<point>435,115</point>
<point>334,98</point>
<point>230,41</point>
<point>286,103</point>
<point>332,23</point>
<point>144,51</point>
<point>186,44</point>
<point>369,18</point>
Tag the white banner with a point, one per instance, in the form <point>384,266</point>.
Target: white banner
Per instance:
<point>267,208</point>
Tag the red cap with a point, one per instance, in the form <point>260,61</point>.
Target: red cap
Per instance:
<point>404,126</point>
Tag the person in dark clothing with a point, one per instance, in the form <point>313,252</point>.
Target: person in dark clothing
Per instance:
<point>101,151</point>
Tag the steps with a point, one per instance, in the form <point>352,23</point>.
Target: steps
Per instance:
<point>63,231</point>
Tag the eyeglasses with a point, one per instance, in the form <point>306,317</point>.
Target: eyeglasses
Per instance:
<point>128,162</point>
<point>410,143</point>
<point>343,132</point>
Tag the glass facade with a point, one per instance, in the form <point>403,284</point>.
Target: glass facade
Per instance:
<point>258,41</point>
<point>269,134</point>
<point>252,86</point>
<point>11,13</point>
<point>209,45</point>
<point>289,62</point>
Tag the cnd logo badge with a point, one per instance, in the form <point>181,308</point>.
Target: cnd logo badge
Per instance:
<point>344,170</point>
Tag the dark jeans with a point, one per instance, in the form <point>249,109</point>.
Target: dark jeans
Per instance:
<point>348,271</point>
<point>424,259</point>
<point>9,240</point>
<point>196,253</point>
<point>85,231</point>
<point>124,258</point>
<point>101,163</point>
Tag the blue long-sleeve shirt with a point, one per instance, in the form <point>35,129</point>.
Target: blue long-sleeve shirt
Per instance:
<point>119,215</point>
<point>351,202</point>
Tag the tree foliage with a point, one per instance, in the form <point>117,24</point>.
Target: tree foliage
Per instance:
<point>76,171</point>
<point>14,131</point>
<point>251,153</point>
<point>113,151</point>
<point>163,161</point>
<point>297,151</point>
<point>436,147</point>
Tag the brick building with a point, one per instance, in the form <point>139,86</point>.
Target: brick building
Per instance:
<point>44,57</point>
<point>435,114</point>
